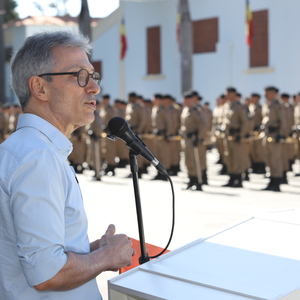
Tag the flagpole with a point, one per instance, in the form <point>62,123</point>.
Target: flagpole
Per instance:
<point>122,93</point>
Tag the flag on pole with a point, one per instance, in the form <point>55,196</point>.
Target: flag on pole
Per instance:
<point>249,24</point>
<point>178,23</point>
<point>123,40</point>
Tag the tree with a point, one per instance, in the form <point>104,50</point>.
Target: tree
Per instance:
<point>84,19</point>
<point>10,13</point>
<point>59,6</point>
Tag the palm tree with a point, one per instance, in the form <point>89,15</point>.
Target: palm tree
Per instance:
<point>85,19</point>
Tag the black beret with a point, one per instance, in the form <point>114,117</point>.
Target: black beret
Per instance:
<point>231,89</point>
<point>255,95</point>
<point>285,95</point>
<point>271,89</point>
<point>132,94</point>
<point>159,96</point>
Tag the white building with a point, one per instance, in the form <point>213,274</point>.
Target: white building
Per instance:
<point>221,55</point>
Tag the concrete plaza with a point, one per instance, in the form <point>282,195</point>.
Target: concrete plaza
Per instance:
<point>197,214</point>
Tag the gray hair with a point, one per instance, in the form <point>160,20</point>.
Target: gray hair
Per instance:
<point>36,57</point>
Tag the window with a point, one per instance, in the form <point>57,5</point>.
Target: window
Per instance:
<point>153,50</point>
<point>98,67</point>
<point>259,50</point>
<point>205,35</point>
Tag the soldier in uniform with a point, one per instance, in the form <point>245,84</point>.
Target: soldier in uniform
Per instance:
<point>173,114</point>
<point>146,132</point>
<point>208,117</point>
<point>3,125</point>
<point>247,143</point>
<point>194,129</point>
<point>297,127</point>
<point>122,152</point>
<point>237,126</point>
<point>94,131</point>
<point>217,123</point>
<point>256,150</point>
<point>108,147</point>
<point>275,128</point>
<point>160,124</point>
<point>79,153</point>
<point>288,148</point>
<point>134,116</point>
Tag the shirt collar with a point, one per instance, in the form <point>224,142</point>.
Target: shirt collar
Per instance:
<point>57,138</point>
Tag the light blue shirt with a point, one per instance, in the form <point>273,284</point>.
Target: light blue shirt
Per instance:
<point>41,212</point>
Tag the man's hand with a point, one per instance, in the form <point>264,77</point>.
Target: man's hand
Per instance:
<point>110,253</point>
<point>118,247</point>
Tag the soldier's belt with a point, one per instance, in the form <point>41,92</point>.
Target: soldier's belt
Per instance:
<point>160,137</point>
<point>288,140</point>
<point>234,130</point>
<point>209,141</point>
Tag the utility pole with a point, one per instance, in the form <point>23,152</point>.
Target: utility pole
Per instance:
<point>186,46</point>
<point>2,54</point>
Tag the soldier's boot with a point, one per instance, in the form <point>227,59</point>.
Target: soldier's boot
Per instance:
<point>204,177</point>
<point>230,182</point>
<point>246,176</point>
<point>123,163</point>
<point>78,169</point>
<point>283,180</point>
<point>220,161</point>
<point>109,170</point>
<point>261,168</point>
<point>173,170</point>
<point>237,181</point>
<point>291,162</point>
<point>196,187</point>
<point>223,171</point>
<point>160,176</point>
<point>193,184</point>
<point>274,185</point>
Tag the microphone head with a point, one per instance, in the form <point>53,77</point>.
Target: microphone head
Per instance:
<point>117,126</point>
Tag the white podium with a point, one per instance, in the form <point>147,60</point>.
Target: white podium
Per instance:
<point>256,259</point>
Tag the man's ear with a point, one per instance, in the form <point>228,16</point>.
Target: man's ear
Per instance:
<point>37,87</point>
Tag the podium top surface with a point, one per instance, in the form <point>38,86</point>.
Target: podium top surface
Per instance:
<point>255,259</point>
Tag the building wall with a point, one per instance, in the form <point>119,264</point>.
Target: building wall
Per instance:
<point>212,72</point>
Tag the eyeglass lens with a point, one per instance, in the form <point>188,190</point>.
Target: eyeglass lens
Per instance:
<point>84,76</point>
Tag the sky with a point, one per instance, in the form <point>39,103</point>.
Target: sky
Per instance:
<point>97,8</point>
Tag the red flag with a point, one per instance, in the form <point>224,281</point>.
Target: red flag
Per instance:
<point>123,40</point>
<point>249,23</point>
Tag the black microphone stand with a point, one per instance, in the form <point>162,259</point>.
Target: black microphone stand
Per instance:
<point>134,170</point>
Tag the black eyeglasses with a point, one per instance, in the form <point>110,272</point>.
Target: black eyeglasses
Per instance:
<point>83,76</point>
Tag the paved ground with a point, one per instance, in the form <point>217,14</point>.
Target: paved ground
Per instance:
<point>198,214</point>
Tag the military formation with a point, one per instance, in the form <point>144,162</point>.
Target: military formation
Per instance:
<point>8,119</point>
<point>258,134</point>
<point>258,138</point>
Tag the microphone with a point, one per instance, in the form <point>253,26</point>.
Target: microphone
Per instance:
<point>119,128</point>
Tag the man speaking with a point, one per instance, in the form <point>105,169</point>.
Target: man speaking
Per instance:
<point>45,252</point>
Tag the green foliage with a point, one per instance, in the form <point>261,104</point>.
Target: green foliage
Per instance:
<point>10,13</point>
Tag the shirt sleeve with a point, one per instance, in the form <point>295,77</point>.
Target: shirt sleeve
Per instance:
<point>37,203</point>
